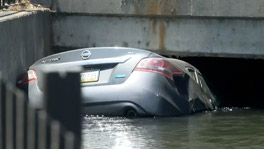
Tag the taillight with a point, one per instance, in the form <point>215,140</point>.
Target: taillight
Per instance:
<point>28,77</point>
<point>158,65</point>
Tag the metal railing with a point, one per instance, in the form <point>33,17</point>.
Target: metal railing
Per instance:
<point>22,126</point>
<point>6,3</point>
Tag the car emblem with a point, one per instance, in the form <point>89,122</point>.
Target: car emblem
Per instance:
<point>86,54</point>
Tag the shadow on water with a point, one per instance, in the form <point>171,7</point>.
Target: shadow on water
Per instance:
<point>225,128</point>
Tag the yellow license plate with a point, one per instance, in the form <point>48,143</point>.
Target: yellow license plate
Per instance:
<point>91,76</point>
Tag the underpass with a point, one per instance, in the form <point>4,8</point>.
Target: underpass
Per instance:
<point>223,39</point>
<point>237,82</point>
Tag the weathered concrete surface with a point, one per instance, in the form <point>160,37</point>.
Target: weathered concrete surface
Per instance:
<point>24,38</point>
<point>209,8</point>
<point>169,36</point>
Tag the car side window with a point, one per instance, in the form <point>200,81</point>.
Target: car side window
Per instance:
<point>203,84</point>
<point>192,72</point>
<point>196,76</point>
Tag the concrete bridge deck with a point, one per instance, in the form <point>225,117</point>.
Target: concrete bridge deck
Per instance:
<point>218,28</point>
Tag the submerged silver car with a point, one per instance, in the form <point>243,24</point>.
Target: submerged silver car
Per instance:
<point>127,82</point>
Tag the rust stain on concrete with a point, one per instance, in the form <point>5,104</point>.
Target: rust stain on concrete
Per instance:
<point>154,24</point>
<point>154,7</point>
<point>138,6</point>
<point>162,34</point>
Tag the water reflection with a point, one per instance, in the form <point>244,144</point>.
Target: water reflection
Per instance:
<point>241,128</point>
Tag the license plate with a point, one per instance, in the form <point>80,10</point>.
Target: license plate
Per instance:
<point>91,76</point>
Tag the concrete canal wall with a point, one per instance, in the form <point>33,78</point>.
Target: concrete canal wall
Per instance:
<point>221,28</point>
<point>24,38</point>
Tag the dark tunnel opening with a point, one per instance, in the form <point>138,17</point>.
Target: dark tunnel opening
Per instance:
<point>237,82</point>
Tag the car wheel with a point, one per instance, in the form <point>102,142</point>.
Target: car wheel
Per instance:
<point>130,113</point>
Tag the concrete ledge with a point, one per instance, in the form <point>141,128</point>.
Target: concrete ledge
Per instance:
<point>208,8</point>
<point>169,36</point>
<point>24,38</point>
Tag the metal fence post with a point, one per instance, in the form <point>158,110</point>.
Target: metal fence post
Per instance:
<point>32,128</point>
<point>43,131</point>
<point>69,141</point>
<point>24,127</point>
<point>10,118</point>
<point>2,114</point>
<point>55,135</point>
<point>63,100</point>
<point>21,120</point>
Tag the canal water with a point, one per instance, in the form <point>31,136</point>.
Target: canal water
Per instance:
<point>225,128</point>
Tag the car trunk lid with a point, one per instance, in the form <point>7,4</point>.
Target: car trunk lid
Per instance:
<point>100,65</point>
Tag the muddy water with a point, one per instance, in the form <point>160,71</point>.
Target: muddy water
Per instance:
<point>226,128</point>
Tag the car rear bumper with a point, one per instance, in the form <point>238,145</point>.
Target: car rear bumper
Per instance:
<point>147,93</point>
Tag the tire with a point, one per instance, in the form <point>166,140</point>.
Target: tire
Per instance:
<point>131,113</point>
